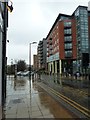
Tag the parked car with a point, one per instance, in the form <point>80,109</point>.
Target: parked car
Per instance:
<point>26,73</point>
<point>19,73</point>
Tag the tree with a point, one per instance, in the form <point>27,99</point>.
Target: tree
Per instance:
<point>21,65</point>
<point>10,69</point>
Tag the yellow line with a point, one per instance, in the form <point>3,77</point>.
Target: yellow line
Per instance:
<point>71,104</point>
<point>71,100</point>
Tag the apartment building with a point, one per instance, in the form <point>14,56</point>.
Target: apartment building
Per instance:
<point>35,62</point>
<point>41,52</point>
<point>61,44</point>
<point>68,42</point>
<point>82,30</point>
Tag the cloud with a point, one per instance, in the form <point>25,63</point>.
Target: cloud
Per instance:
<point>31,21</point>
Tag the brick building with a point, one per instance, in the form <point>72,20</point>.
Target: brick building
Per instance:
<point>68,42</point>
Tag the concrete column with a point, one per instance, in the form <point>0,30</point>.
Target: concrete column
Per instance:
<point>52,67</point>
<point>0,68</point>
<point>49,67</point>
<point>55,66</point>
<point>60,66</point>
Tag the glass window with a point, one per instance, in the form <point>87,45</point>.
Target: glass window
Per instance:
<point>68,46</point>
<point>67,24</point>
<point>68,53</point>
<point>67,31</point>
<point>77,12</point>
<point>68,38</point>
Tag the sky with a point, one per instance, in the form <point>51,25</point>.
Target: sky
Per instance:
<point>31,21</point>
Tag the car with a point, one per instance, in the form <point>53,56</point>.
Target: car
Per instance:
<point>26,73</point>
<point>19,73</point>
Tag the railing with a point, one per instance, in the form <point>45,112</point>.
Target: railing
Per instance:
<point>65,79</point>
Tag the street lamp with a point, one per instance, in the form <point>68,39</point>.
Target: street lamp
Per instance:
<point>30,58</point>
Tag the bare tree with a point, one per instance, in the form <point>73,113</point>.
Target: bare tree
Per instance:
<point>21,65</point>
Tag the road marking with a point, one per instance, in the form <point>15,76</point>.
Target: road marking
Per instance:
<point>80,108</point>
<point>72,103</point>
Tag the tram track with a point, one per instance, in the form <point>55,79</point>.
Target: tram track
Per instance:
<point>74,104</point>
<point>82,109</point>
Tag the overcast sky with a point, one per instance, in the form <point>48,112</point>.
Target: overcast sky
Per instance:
<point>31,21</point>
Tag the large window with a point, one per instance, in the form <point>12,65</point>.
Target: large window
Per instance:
<point>68,38</point>
<point>68,53</point>
<point>67,24</point>
<point>68,46</point>
<point>67,31</point>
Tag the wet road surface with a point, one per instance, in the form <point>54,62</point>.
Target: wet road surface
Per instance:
<point>28,100</point>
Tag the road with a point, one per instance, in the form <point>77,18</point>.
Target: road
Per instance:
<point>27,99</point>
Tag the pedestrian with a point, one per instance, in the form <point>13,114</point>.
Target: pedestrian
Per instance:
<point>78,74</point>
<point>75,75</point>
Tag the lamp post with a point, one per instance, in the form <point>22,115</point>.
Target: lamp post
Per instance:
<point>30,59</point>
<point>15,70</point>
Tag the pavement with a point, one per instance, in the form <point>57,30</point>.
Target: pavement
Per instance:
<point>26,99</point>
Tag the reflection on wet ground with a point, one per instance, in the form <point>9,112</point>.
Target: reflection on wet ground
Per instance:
<point>28,100</point>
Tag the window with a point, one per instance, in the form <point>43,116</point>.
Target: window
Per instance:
<point>67,24</point>
<point>67,31</point>
<point>68,38</point>
<point>68,53</point>
<point>77,12</point>
<point>68,46</point>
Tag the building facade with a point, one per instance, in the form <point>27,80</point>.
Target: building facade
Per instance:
<point>35,62</point>
<point>42,53</point>
<point>61,41</point>
<point>68,43</point>
<point>82,37</point>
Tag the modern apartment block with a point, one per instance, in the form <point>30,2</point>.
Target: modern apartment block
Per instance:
<point>82,37</point>
<point>35,62</point>
<point>68,42</point>
<point>41,52</point>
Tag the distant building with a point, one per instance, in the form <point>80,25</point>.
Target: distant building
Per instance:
<point>42,53</point>
<point>35,62</point>
<point>68,42</point>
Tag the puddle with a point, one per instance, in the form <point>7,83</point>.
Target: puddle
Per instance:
<point>15,101</point>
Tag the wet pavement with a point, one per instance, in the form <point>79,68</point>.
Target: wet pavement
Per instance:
<point>26,99</point>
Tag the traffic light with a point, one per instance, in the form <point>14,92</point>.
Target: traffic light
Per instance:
<point>85,59</point>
